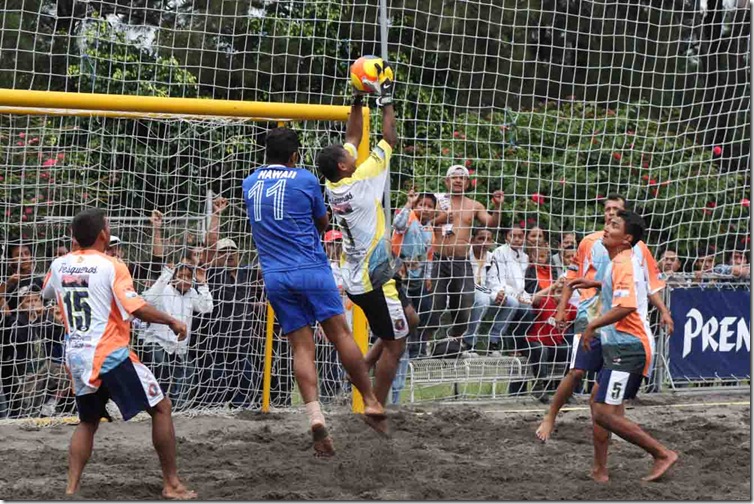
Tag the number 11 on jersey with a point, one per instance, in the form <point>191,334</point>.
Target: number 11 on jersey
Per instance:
<point>276,192</point>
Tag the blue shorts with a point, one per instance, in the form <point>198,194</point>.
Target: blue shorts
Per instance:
<point>617,386</point>
<point>130,384</point>
<point>586,360</point>
<point>302,297</point>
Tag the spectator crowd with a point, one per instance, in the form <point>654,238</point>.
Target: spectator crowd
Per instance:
<point>476,289</point>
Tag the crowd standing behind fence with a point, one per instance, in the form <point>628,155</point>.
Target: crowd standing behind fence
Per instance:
<point>221,363</point>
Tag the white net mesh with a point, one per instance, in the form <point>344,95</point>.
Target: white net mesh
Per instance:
<point>557,103</point>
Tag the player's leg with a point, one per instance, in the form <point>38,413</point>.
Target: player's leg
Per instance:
<point>79,452</point>
<point>614,388</point>
<point>373,354</point>
<point>91,408</point>
<point>337,331</point>
<point>600,441</point>
<point>387,318</point>
<point>581,362</point>
<point>134,388</point>
<point>564,391</point>
<point>163,440</point>
<point>305,372</point>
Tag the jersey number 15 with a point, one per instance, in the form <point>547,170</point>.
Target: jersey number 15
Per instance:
<point>276,191</point>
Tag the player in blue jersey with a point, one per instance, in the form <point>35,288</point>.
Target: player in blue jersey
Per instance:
<point>287,214</point>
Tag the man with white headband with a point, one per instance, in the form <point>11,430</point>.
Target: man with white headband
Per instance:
<point>452,273</point>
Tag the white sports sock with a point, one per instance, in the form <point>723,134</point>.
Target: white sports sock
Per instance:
<point>314,412</point>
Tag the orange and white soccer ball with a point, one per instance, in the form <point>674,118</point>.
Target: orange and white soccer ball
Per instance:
<point>368,72</point>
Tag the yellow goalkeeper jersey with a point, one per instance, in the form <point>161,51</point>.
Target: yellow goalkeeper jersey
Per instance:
<point>356,202</point>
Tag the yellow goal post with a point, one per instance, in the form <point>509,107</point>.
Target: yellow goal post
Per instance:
<point>48,103</point>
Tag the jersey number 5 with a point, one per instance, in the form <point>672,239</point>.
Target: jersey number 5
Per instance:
<point>617,389</point>
<point>78,310</point>
<point>276,191</point>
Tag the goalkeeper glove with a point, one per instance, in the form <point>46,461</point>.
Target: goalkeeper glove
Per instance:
<point>386,93</point>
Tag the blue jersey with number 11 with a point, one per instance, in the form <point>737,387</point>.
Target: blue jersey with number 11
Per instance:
<point>282,204</point>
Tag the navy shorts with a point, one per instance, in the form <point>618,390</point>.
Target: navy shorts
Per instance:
<point>302,297</point>
<point>617,386</point>
<point>586,360</point>
<point>131,385</point>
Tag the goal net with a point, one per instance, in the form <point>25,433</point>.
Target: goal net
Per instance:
<point>556,103</point>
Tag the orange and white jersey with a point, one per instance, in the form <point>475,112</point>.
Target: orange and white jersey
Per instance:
<point>96,295</point>
<point>627,343</point>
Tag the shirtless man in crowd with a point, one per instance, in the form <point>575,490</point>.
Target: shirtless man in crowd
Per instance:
<point>452,274</point>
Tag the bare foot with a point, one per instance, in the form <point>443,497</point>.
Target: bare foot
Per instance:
<point>661,466</point>
<point>545,428</point>
<point>600,475</point>
<point>178,492</point>
<point>323,445</point>
<point>378,423</point>
<point>375,411</point>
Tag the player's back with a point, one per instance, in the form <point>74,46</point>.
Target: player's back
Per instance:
<point>282,203</point>
<point>96,319</point>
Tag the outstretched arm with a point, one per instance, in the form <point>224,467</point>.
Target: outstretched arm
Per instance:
<point>355,123</point>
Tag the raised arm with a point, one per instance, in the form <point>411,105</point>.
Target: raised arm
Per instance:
<point>389,132</point>
<point>355,123</point>
<point>158,249</point>
<point>219,205</point>
<point>491,220</point>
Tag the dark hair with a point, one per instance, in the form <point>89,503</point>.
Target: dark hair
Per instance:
<point>181,267</point>
<point>429,196</point>
<point>328,159</point>
<point>617,197</point>
<point>736,250</point>
<point>87,225</point>
<point>14,246</point>
<point>280,144</point>
<point>706,250</point>
<point>510,228</point>
<point>478,230</point>
<point>52,249</point>
<point>633,224</point>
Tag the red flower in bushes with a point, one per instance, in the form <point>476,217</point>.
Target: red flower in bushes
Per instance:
<point>468,163</point>
<point>522,223</point>
<point>652,182</point>
<point>445,151</point>
<point>50,162</point>
<point>617,156</point>
<point>22,135</point>
<point>711,204</point>
<point>645,177</point>
<point>717,150</point>
<point>745,202</point>
<point>61,156</point>
<point>537,198</point>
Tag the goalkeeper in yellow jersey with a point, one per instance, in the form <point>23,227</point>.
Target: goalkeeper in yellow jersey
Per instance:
<point>355,195</point>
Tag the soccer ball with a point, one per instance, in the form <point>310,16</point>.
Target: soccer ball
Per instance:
<point>368,72</point>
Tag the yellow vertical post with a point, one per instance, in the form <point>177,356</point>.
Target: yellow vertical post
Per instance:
<point>360,328</point>
<point>267,377</point>
<point>267,374</point>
